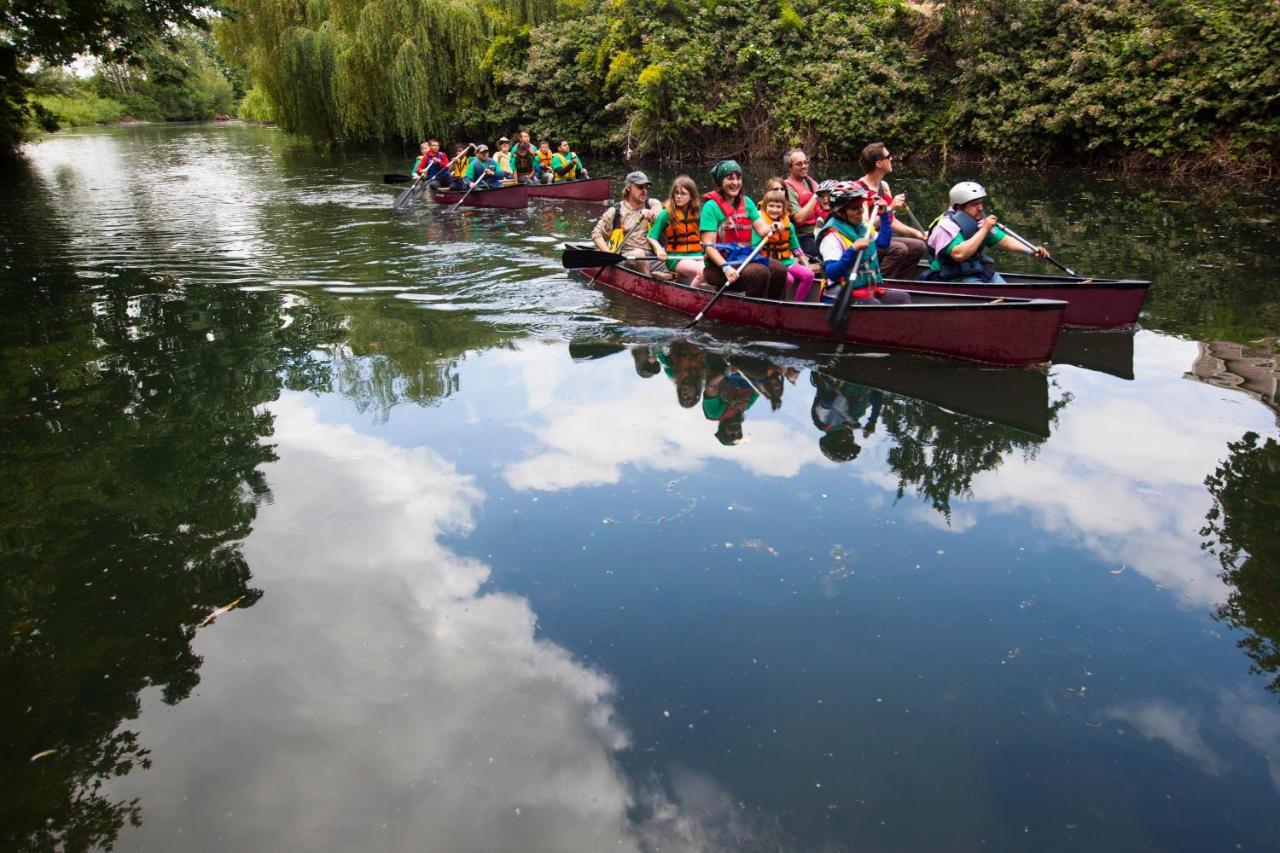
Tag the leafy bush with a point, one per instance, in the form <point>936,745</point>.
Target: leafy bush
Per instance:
<point>80,110</point>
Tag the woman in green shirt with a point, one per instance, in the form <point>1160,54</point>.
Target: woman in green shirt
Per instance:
<point>727,221</point>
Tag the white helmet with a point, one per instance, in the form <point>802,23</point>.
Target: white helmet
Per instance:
<point>965,192</point>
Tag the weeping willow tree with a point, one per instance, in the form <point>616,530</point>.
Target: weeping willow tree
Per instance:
<point>355,70</point>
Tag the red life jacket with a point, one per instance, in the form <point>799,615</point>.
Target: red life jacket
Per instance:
<point>736,227</point>
<point>804,191</point>
<point>682,234</point>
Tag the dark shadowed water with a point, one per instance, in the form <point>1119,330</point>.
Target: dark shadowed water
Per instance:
<point>514,564</point>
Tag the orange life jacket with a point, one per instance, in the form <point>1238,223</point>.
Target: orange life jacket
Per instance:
<point>682,233</point>
<point>778,246</point>
<point>544,157</point>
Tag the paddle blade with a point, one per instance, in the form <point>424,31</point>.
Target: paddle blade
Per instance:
<point>405,198</point>
<point>576,258</point>
<point>398,179</point>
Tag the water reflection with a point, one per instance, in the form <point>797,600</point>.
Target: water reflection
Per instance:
<point>1241,531</point>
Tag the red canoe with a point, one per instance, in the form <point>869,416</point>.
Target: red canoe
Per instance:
<point>511,198</point>
<point>1091,303</point>
<point>1016,332</point>
<point>584,189</point>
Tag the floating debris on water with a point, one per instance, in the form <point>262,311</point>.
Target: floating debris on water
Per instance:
<point>760,545</point>
<point>1115,571</point>
<point>42,754</point>
<point>221,610</point>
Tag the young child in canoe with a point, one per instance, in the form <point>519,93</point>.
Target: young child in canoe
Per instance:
<point>783,245</point>
<point>676,226</point>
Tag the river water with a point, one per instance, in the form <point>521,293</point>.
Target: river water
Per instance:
<point>517,564</point>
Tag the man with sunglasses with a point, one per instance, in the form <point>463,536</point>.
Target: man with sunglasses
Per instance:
<point>901,259</point>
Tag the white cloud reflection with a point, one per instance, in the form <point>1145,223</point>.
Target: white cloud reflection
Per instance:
<point>1237,716</point>
<point>1122,475</point>
<point>376,698</point>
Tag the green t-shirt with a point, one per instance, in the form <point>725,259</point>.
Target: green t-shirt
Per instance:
<point>713,217</point>
<point>995,236</point>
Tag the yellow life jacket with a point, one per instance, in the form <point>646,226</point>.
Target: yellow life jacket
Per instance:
<point>458,168</point>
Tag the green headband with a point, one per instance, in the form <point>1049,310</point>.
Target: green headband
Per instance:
<point>723,169</point>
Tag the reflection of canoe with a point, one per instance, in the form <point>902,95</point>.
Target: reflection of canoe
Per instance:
<point>1102,304</point>
<point>1014,398</point>
<point>1010,332</point>
<point>583,189</point>
<point>511,198</point>
<point>1105,352</point>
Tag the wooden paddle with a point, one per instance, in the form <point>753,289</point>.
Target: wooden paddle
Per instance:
<point>727,282</point>
<point>839,316</point>
<point>1031,248</point>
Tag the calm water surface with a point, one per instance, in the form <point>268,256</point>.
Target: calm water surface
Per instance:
<point>519,565</point>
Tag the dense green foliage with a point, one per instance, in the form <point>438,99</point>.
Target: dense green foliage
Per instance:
<point>174,79</point>
<point>54,32</point>
<point>1193,82</point>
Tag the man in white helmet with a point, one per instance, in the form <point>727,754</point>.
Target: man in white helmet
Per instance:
<point>958,242</point>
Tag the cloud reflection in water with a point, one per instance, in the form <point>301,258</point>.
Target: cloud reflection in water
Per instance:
<point>378,698</point>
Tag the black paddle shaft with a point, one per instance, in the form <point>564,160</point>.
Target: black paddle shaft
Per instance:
<point>839,316</point>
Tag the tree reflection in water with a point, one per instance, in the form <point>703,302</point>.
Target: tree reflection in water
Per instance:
<point>1241,531</point>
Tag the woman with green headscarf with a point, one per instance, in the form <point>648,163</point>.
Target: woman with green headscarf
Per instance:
<point>727,220</point>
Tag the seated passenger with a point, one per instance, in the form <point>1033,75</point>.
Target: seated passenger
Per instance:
<point>504,157</point>
<point>958,240</point>
<point>524,159</point>
<point>545,156</point>
<point>806,204</point>
<point>624,227</point>
<point>485,171</point>
<point>676,226</point>
<point>431,160</point>
<point>727,222</point>
<point>843,238</point>
<point>565,164</point>
<point>906,249</point>
<point>455,180</point>
<point>783,245</point>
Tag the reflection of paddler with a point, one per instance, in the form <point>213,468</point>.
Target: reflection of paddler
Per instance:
<point>837,411</point>
<point>646,362</point>
<point>726,399</point>
<point>683,363</point>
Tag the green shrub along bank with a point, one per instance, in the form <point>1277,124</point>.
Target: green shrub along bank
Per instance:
<point>1191,84</point>
<point>179,78</point>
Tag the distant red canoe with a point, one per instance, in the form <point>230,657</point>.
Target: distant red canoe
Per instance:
<point>510,198</point>
<point>586,189</point>
<point>1091,303</point>
<point>1011,331</point>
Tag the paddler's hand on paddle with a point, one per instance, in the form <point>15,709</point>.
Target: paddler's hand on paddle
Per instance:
<point>899,202</point>
<point>989,222</point>
<point>730,273</point>
<point>1038,252</point>
<point>859,245</point>
<point>660,253</point>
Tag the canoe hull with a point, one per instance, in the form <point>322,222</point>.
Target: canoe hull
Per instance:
<point>508,198</point>
<point>1014,332</point>
<point>1109,304</point>
<point>591,189</point>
